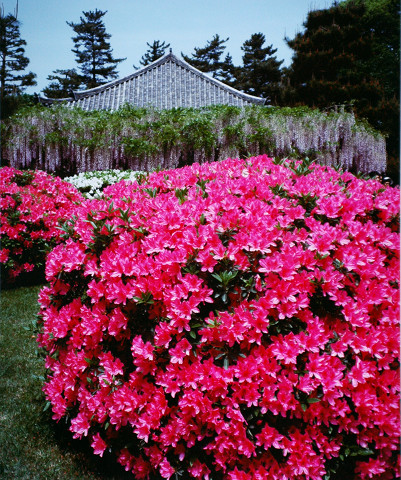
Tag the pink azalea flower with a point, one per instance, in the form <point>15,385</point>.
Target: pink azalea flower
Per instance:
<point>80,425</point>
<point>98,445</point>
<point>141,336</point>
<point>180,351</point>
<point>165,468</point>
<point>199,470</point>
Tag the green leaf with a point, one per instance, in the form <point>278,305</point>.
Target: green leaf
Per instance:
<point>217,277</point>
<point>145,298</point>
<point>364,452</point>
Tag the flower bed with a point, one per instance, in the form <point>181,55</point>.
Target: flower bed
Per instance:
<point>235,320</point>
<point>33,206</point>
<point>92,184</point>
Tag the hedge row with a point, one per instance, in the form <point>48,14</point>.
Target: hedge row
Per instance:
<point>33,206</point>
<point>68,141</point>
<point>231,321</point>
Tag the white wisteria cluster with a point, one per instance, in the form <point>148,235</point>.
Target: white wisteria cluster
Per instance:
<point>92,184</point>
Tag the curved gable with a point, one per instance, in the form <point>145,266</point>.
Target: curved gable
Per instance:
<point>168,82</point>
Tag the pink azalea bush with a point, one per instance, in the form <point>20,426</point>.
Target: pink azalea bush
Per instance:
<point>33,205</point>
<point>235,320</point>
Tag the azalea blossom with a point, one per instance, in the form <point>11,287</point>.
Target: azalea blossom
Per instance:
<point>33,207</point>
<point>234,320</point>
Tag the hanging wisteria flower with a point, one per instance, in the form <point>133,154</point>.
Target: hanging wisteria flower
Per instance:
<point>235,320</point>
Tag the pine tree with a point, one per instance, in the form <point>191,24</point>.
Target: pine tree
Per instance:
<point>350,53</point>
<point>154,52</point>
<point>228,71</point>
<point>207,59</point>
<point>63,83</point>
<point>328,65</point>
<point>92,49</point>
<point>260,74</point>
<point>382,20</point>
<point>12,58</point>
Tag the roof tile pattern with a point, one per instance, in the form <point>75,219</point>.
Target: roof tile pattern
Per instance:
<point>167,83</point>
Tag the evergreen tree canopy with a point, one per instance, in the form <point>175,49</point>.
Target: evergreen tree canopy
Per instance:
<point>382,19</point>
<point>350,53</point>
<point>12,58</point>
<point>153,53</point>
<point>63,83</point>
<point>260,74</point>
<point>92,49</point>
<point>326,66</point>
<point>207,58</point>
<point>228,71</point>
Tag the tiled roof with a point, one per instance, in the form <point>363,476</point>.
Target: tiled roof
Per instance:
<point>166,83</point>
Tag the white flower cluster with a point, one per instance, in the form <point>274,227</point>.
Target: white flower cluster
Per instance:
<point>92,184</point>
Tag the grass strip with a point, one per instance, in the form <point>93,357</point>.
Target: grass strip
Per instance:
<point>32,445</point>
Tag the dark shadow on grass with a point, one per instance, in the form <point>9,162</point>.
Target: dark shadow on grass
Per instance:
<point>24,279</point>
<point>105,467</point>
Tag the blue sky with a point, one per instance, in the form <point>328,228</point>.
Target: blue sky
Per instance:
<point>184,24</point>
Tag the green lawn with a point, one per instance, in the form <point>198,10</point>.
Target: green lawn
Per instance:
<point>32,445</point>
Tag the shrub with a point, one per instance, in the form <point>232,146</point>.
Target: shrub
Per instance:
<point>66,140</point>
<point>233,320</point>
<point>33,206</point>
<point>92,184</point>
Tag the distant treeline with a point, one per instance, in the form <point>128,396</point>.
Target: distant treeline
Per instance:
<point>67,141</point>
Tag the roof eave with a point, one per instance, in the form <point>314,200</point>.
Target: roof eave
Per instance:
<point>79,94</point>
<point>46,100</point>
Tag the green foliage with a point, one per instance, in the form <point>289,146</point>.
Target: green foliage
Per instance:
<point>330,49</point>
<point>156,50</point>
<point>92,49</point>
<point>11,104</point>
<point>350,53</point>
<point>197,131</point>
<point>181,194</point>
<point>12,58</point>
<point>138,147</point>
<point>31,445</point>
<point>208,58</point>
<point>382,19</point>
<point>260,74</point>
<point>63,82</point>
<point>23,178</point>
<point>142,139</point>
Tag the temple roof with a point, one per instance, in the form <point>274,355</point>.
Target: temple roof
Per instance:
<point>168,82</point>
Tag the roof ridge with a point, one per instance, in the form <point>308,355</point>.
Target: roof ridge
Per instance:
<point>80,95</point>
<point>138,72</point>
